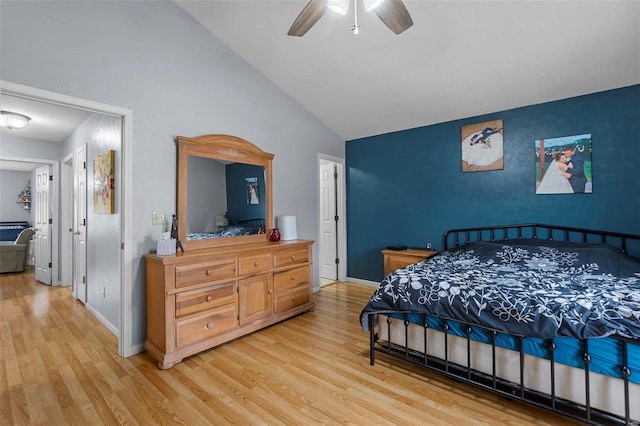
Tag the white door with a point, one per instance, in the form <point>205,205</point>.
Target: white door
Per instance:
<point>328,222</point>
<point>43,226</point>
<point>66,221</point>
<point>80,225</point>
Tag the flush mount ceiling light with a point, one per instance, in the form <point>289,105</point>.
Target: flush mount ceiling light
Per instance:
<point>392,13</point>
<point>13,120</point>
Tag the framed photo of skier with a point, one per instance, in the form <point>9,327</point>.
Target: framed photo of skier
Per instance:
<point>563,165</point>
<point>482,146</point>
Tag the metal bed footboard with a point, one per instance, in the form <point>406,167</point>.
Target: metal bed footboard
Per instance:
<point>491,382</point>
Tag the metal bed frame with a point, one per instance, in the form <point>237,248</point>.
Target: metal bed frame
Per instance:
<point>491,382</point>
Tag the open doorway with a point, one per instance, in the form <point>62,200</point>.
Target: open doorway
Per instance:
<point>117,317</point>
<point>41,256</point>
<point>332,239</point>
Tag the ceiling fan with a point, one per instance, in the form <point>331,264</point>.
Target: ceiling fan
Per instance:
<point>392,13</point>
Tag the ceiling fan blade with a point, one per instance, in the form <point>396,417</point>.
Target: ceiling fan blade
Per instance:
<point>308,17</point>
<point>395,15</point>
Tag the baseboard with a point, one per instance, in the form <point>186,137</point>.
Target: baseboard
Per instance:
<point>112,328</point>
<point>136,349</point>
<point>361,281</point>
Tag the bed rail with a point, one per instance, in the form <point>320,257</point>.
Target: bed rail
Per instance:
<point>457,237</point>
<point>491,382</point>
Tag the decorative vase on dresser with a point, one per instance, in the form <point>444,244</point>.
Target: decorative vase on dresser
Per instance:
<point>221,288</point>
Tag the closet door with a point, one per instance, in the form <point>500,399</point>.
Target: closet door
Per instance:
<point>43,226</point>
<point>80,225</point>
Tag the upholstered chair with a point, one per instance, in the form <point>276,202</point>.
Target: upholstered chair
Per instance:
<point>14,255</point>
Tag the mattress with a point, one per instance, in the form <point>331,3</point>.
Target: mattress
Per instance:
<point>606,393</point>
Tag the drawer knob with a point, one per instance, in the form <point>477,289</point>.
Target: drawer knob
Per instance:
<point>293,298</point>
<point>293,257</point>
<point>209,298</point>
<point>209,326</point>
<point>270,291</point>
<point>209,272</point>
<point>256,263</point>
<point>293,277</point>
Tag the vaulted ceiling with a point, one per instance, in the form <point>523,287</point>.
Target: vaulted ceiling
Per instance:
<point>459,59</point>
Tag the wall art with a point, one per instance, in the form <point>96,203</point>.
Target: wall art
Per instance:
<point>253,196</point>
<point>103,183</point>
<point>482,146</point>
<point>563,165</point>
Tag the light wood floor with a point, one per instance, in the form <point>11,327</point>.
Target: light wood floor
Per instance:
<point>59,365</point>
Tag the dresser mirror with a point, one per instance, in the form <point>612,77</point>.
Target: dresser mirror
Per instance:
<point>224,191</point>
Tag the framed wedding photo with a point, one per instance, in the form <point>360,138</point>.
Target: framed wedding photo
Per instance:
<point>482,146</point>
<point>563,165</point>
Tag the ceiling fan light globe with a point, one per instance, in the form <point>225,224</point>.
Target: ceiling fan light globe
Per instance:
<point>341,7</point>
<point>370,5</point>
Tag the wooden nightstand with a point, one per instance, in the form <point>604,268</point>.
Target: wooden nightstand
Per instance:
<point>395,259</point>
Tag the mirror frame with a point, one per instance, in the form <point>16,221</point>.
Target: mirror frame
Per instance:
<point>227,148</point>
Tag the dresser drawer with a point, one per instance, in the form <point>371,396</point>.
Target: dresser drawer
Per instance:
<point>207,324</point>
<point>286,280</point>
<point>292,298</point>
<point>193,301</point>
<point>255,264</point>
<point>290,257</point>
<point>198,273</point>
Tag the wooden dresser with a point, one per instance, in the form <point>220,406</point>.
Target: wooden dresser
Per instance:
<point>205,297</point>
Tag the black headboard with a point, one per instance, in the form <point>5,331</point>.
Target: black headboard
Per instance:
<point>252,223</point>
<point>456,237</point>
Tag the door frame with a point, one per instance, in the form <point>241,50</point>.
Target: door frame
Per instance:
<point>48,223</point>
<point>66,218</point>
<point>53,197</point>
<point>80,214</point>
<point>341,211</point>
<point>125,344</point>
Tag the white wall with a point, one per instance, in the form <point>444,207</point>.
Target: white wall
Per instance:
<point>12,146</point>
<point>12,182</point>
<point>101,133</point>
<point>178,79</point>
<point>16,146</point>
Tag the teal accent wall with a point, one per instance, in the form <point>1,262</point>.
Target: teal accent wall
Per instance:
<point>407,187</point>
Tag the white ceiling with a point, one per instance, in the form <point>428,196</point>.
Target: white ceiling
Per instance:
<point>460,58</point>
<point>49,122</point>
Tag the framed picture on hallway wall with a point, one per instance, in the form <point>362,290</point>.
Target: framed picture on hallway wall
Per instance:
<point>103,183</point>
<point>482,146</point>
<point>563,165</point>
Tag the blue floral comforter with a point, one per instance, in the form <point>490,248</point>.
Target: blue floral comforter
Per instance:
<point>534,288</point>
<point>227,231</point>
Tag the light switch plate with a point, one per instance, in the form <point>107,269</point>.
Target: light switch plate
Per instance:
<point>158,218</point>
